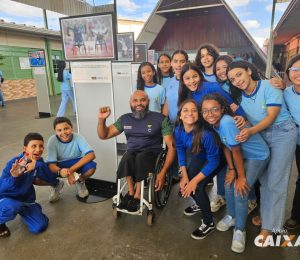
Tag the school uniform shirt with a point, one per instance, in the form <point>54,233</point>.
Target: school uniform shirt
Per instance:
<point>292,99</point>
<point>255,148</point>
<point>66,84</point>
<point>59,151</point>
<point>256,104</point>
<point>225,86</point>
<point>214,87</point>
<point>144,133</point>
<point>172,98</point>
<point>210,77</point>
<point>21,188</point>
<point>157,97</point>
<point>210,151</point>
<point>165,81</point>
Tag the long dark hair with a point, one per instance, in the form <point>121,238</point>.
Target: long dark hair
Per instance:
<point>228,59</point>
<point>140,81</point>
<point>235,92</point>
<point>211,49</point>
<point>61,65</point>
<point>159,73</point>
<point>183,91</point>
<point>197,128</point>
<point>183,52</point>
<point>291,62</point>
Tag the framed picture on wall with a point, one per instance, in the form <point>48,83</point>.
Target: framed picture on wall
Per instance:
<point>125,46</point>
<point>89,37</point>
<point>37,58</point>
<point>140,52</point>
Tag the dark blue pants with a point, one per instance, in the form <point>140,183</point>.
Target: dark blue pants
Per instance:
<point>200,196</point>
<point>31,214</point>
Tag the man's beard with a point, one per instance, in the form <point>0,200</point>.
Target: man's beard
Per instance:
<point>140,114</point>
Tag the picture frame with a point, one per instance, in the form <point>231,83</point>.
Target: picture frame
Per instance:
<point>125,46</point>
<point>37,58</point>
<point>89,37</point>
<point>140,52</point>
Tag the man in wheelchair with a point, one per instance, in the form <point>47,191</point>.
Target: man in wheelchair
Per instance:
<point>144,132</point>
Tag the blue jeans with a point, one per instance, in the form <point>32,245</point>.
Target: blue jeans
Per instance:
<point>281,139</point>
<point>65,95</point>
<point>200,196</point>
<point>237,206</point>
<point>221,185</point>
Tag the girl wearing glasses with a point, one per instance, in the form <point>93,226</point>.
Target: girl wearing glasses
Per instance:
<point>246,163</point>
<point>199,160</point>
<point>267,112</point>
<point>292,98</point>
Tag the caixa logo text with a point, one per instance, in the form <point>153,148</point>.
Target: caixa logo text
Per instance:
<point>277,241</point>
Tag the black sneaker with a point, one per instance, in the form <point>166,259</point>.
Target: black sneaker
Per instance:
<point>133,205</point>
<point>203,231</point>
<point>192,210</point>
<point>124,202</point>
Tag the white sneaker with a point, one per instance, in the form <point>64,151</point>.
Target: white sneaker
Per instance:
<point>252,204</point>
<point>82,191</point>
<point>217,203</point>
<point>226,223</point>
<point>55,191</point>
<point>238,241</point>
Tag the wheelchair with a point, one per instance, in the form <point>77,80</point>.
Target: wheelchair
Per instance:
<point>160,198</point>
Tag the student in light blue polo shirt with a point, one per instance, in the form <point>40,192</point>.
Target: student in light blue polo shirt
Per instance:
<point>205,59</point>
<point>69,153</point>
<point>179,58</point>
<point>147,81</point>
<point>164,70</point>
<point>267,112</point>
<point>292,99</point>
<point>247,160</point>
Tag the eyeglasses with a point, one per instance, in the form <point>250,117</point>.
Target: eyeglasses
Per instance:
<point>295,69</point>
<point>210,111</point>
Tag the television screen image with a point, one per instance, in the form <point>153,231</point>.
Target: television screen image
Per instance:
<point>37,58</point>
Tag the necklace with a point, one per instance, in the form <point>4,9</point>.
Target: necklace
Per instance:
<point>253,98</point>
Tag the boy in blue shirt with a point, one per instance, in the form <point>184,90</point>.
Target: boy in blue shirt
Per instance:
<point>69,154</point>
<point>17,194</point>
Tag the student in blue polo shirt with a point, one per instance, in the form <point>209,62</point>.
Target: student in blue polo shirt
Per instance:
<point>246,163</point>
<point>267,112</point>
<point>164,70</point>
<point>179,58</point>
<point>292,99</point>
<point>69,154</point>
<point>205,59</point>
<point>199,160</point>
<point>147,81</point>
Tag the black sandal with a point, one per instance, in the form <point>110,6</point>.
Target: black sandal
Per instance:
<point>4,231</point>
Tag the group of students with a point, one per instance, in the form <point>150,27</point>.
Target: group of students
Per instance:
<point>230,123</point>
<point>68,155</point>
<point>227,122</point>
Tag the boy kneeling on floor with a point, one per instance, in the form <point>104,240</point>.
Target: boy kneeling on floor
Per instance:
<point>17,194</point>
<point>69,154</point>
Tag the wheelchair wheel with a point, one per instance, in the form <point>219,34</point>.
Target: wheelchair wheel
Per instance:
<point>150,217</point>
<point>161,197</point>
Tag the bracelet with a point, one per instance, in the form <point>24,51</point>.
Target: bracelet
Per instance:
<point>231,169</point>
